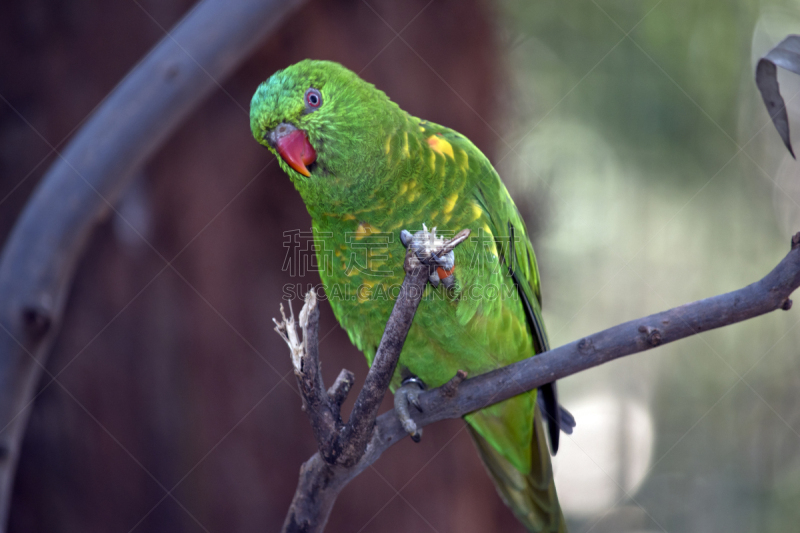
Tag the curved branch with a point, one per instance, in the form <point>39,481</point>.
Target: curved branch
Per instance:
<point>320,482</point>
<point>39,259</point>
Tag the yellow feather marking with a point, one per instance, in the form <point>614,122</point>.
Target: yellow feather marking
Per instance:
<point>388,147</point>
<point>441,145</point>
<point>432,216</point>
<point>405,144</point>
<point>421,129</point>
<point>450,202</point>
<point>477,212</point>
<point>446,218</point>
<point>432,161</point>
<point>464,163</point>
<point>396,226</point>
<point>491,238</point>
<point>364,230</point>
<point>403,188</point>
<point>412,184</point>
<point>349,217</point>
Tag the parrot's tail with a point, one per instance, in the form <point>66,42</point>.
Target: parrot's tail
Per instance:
<point>532,497</point>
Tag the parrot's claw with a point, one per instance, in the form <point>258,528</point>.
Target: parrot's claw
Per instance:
<point>408,394</point>
<point>425,243</point>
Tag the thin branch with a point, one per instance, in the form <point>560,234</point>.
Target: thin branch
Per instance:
<point>359,429</point>
<point>41,254</point>
<point>341,387</point>
<point>321,482</point>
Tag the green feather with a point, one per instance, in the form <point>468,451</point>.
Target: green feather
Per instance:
<point>379,170</point>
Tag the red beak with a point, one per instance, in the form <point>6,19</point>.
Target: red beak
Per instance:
<point>295,149</point>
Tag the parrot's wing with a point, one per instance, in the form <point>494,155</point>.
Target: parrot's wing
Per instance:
<point>518,256</point>
<point>558,419</point>
<point>516,253</point>
<point>529,492</point>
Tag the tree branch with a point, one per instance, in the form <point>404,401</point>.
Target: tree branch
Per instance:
<point>41,254</point>
<point>342,446</point>
<point>320,482</point>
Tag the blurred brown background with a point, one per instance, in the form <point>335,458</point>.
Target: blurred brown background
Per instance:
<point>185,385</point>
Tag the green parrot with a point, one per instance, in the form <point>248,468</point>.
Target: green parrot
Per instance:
<point>366,170</point>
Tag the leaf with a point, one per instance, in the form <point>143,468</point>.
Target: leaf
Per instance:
<point>787,56</point>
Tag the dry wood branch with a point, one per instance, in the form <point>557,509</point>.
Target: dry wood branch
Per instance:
<point>341,387</point>
<point>39,259</point>
<point>321,482</point>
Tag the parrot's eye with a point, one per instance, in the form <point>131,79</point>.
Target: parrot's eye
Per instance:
<point>313,99</point>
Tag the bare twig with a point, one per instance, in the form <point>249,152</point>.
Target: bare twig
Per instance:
<point>321,482</point>
<point>39,259</point>
<point>450,388</point>
<point>341,388</point>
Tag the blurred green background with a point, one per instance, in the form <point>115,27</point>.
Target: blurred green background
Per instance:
<point>654,178</point>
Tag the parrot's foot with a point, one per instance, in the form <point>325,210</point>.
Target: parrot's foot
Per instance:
<point>427,246</point>
<point>408,394</point>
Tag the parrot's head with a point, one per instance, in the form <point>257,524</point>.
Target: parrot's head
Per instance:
<point>326,126</point>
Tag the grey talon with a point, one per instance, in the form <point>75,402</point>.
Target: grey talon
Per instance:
<point>413,399</point>
<point>408,394</point>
